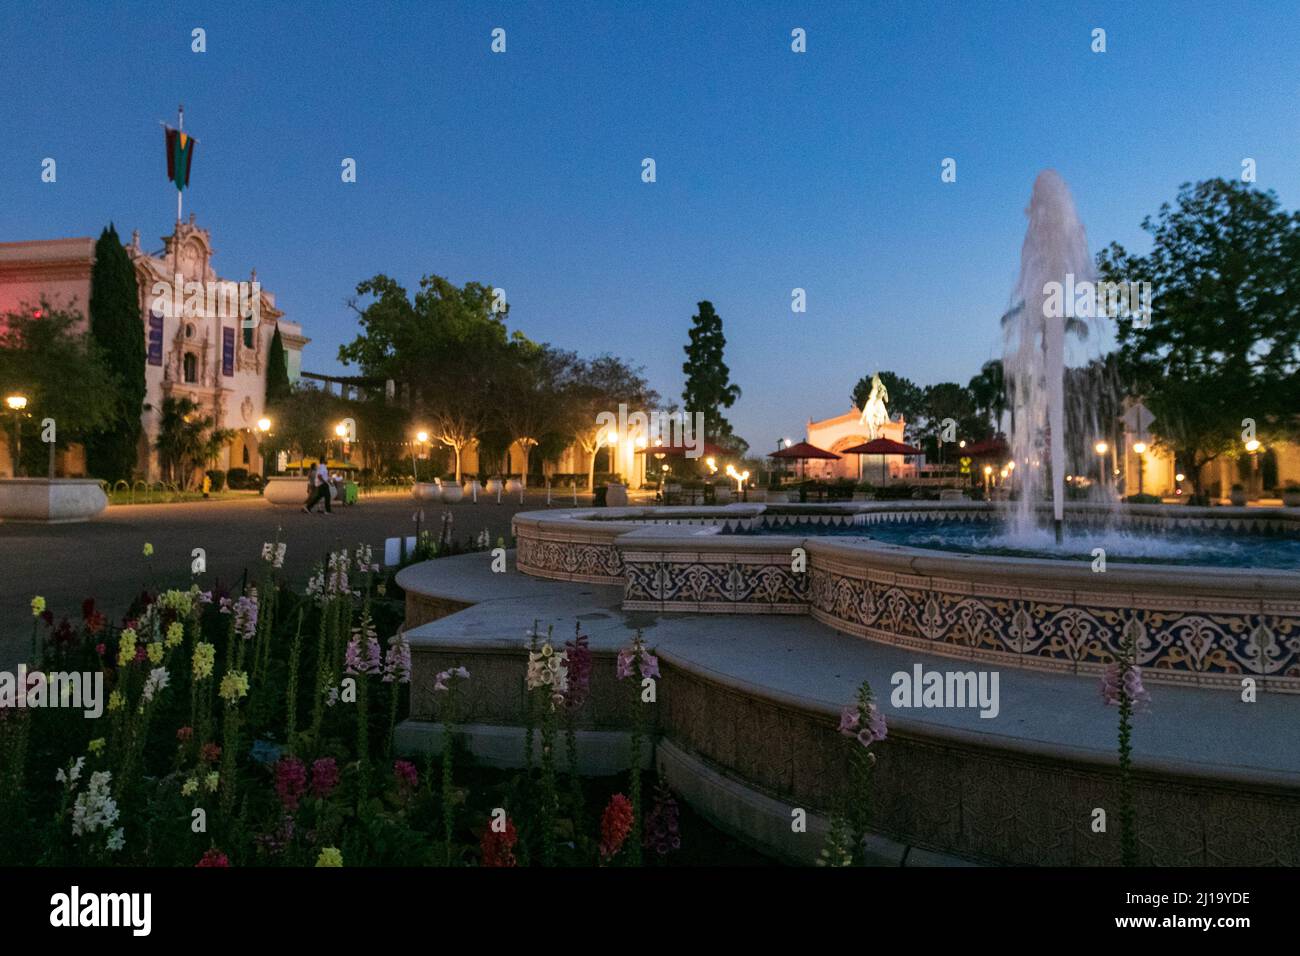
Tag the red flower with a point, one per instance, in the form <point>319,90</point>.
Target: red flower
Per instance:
<point>210,753</point>
<point>615,825</point>
<point>185,734</point>
<point>324,777</point>
<point>498,846</point>
<point>290,781</point>
<point>213,857</point>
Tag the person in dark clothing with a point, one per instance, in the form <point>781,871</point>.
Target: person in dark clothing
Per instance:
<point>319,485</point>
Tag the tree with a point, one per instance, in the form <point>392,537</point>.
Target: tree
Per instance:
<point>906,398</point>
<point>534,394</point>
<point>302,420</point>
<point>277,371</point>
<point>708,380</point>
<point>988,391</point>
<point>602,384</point>
<point>183,443</point>
<point>63,374</point>
<point>1222,344</point>
<point>117,327</point>
<point>446,346</point>
<point>946,401</point>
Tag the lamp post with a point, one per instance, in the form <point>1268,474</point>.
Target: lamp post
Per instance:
<point>263,432</point>
<point>988,473</point>
<point>16,404</point>
<point>1140,449</point>
<point>1252,447</point>
<point>1101,448</point>
<point>421,437</point>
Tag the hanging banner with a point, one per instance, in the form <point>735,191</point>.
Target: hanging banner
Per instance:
<point>155,338</point>
<point>227,352</point>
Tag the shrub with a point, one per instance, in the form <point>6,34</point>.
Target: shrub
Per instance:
<point>218,478</point>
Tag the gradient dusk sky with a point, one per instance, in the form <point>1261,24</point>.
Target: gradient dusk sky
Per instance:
<point>775,170</point>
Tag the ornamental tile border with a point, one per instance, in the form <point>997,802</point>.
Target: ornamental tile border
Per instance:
<point>1080,635</point>
<point>1184,638</point>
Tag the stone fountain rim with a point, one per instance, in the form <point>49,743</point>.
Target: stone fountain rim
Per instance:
<point>619,528</point>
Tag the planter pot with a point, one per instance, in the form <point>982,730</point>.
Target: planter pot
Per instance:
<point>514,486</point>
<point>51,501</point>
<point>426,491</point>
<point>451,493</point>
<point>616,496</point>
<point>286,490</point>
<point>1238,498</point>
<point>1291,499</point>
<point>493,486</point>
<point>792,497</point>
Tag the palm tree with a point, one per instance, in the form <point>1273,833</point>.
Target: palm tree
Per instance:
<point>181,444</point>
<point>990,393</point>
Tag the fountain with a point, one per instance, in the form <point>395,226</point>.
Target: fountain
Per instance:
<point>1054,254</point>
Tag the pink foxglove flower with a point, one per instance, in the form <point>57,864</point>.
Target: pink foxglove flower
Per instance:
<point>397,660</point>
<point>579,656</point>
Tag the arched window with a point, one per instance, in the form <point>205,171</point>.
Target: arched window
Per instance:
<point>191,367</point>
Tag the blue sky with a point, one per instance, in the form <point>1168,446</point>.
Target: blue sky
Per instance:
<point>775,170</point>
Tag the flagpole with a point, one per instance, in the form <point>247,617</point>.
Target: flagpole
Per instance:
<point>180,125</point>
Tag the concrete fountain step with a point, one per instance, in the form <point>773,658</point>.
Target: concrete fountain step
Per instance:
<point>807,663</point>
<point>750,704</point>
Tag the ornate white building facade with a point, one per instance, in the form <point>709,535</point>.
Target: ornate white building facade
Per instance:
<point>200,351</point>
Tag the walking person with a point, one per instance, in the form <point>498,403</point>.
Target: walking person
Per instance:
<point>319,483</point>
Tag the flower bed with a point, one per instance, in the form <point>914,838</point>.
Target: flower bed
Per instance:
<point>255,727</point>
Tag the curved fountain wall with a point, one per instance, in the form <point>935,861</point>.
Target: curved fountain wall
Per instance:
<point>1193,625</point>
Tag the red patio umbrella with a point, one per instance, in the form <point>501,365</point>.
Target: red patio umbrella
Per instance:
<point>882,447</point>
<point>804,452</point>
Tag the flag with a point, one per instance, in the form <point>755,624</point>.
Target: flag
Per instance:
<point>180,153</point>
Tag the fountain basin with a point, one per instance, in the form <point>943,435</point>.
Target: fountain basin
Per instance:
<point>1193,624</point>
<point>51,500</point>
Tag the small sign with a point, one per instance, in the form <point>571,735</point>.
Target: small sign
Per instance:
<point>965,463</point>
<point>393,550</point>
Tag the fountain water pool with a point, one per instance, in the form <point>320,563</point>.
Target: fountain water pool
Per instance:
<point>1208,547</point>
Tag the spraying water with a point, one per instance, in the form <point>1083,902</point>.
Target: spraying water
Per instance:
<point>1038,330</point>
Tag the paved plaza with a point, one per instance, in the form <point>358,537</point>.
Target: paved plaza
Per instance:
<point>104,558</point>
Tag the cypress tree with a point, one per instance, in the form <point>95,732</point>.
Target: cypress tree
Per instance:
<point>277,371</point>
<point>708,380</point>
<point>117,327</point>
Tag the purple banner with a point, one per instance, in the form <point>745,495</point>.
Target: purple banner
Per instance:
<point>155,338</point>
<point>227,352</point>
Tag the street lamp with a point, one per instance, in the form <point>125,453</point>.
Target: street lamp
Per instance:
<point>1252,447</point>
<point>1101,448</point>
<point>421,437</point>
<point>1140,449</point>
<point>17,403</point>
<point>988,473</point>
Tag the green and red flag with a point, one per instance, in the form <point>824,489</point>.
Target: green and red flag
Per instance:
<point>180,154</point>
